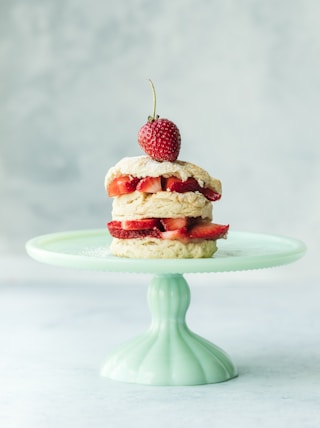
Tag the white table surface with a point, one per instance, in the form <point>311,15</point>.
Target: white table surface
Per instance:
<point>57,325</point>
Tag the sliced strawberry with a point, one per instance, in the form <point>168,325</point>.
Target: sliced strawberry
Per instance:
<point>174,223</point>
<point>122,185</point>
<point>210,194</point>
<point>149,185</point>
<point>143,228</point>
<point>142,224</point>
<point>175,184</point>
<point>114,224</point>
<point>208,231</point>
<point>177,234</point>
<point>120,233</point>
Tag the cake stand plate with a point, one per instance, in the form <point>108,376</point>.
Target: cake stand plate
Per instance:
<point>168,353</point>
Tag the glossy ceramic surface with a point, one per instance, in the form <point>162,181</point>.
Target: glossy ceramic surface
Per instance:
<point>168,353</point>
<point>89,249</point>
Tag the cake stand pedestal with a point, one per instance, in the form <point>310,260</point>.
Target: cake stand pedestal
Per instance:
<point>168,353</point>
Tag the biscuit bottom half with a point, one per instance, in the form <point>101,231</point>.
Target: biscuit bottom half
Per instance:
<point>154,248</point>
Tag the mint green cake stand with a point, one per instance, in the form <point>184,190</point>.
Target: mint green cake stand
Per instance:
<point>168,353</point>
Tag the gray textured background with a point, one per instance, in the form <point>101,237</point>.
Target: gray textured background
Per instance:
<point>241,79</point>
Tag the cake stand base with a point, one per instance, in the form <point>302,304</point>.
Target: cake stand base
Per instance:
<point>169,353</point>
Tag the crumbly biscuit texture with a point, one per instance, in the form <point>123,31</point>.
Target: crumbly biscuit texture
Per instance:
<point>148,248</point>
<point>144,166</point>
<point>138,205</point>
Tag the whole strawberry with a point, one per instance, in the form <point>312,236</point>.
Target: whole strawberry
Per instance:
<point>159,138</point>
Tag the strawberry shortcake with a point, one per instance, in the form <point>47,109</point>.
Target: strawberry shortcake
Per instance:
<point>162,209</point>
<point>162,206</point>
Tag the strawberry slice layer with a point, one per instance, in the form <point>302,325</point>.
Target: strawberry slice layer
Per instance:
<point>183,229</point>
<point>127,184</point>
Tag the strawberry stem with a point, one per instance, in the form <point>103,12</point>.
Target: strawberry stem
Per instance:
<point>153,117</point>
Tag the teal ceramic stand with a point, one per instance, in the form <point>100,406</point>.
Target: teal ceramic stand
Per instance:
<point>168,353</point>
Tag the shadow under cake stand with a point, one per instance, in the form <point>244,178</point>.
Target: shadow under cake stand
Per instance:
<point>168,353</point>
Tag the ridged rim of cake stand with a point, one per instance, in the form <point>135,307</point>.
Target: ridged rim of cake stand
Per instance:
<point>89,249</point>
